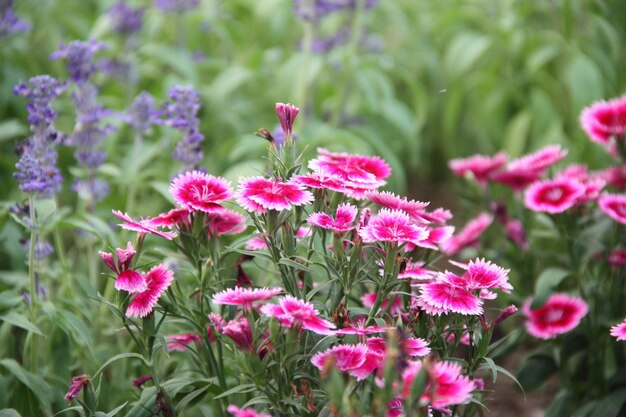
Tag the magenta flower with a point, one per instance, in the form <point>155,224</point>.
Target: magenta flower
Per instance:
<point>559,314</point>
<point>391,201</point>
<point>480,167</point>
<point>244,412</point>
<point>225,222</point>
<point>287,115</point>
<point>158,280</point>
<point>359,329</point>
<point>321,180</point>
<point>239,331</point>
<point>290,311</point>
<point>413,346</point>
<point>392,226</point>
<point>343,221</point>
<point>617,257</point>
<point>77,383</point>
<point>416,270</point>
<point>603,121</point>
<point>256,243</point>
<point>258,194</point>
<point>553,196</point>
<point>439,216</point>
<point>394,303</point>
<point>619,331</point>
<point>441,297</point>
<point>523,171</point>
<point>613,205</point>
<point>176,217</point>
<point>446,384</point>
<point>245,297</point>
<point>469,235</point>
<point>127,279</point>
<point>142,226</point>
<point>195,190</point>
<point>479,275</point>
<point>436,236</point>
<point>179,342</point>
<point>614,176</point>
<point>345,358</point>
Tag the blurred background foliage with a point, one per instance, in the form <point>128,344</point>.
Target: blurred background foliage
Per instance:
<point>416,81</point>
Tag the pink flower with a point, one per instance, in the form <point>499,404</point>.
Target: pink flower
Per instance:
<point>413,346</point>
<point>256,243</point>
<point>443,297</point>
<point>225,222</point>
<point>446,385</point>
<point>359,328</point>
<point>244,412</point>
<point>479,275</point>
<point>196,190</point>
<point>614,205</point>
<point>345,358</point>
<point>158,280</point>
<point>604,120</point>
<point>439,216</point>
<point>392,226</point>
<point>515,233</point>
<point>142,226</point>
<point>415,270</point>
<point>343,221</point>
<point>321,179</point>
<point>127,279</point>
<point>617,257</point>
<point>523,171</point>
<point>286,115</point>
<point>290,311</point>
<point>614,176</point>
<point>180,342</point>
<point>394,303</point>
<point>469,235</point>
<point>258,194</point>
<point>175,217</point>
<point>77,383</point>
<point>239,331</point>
<point>553,196</point>
<point>559,314</point>
<point>619,331</point>
<point>436,236</point>
<point>245,297</point>
<point>389,200</point>
<point>480,167</point>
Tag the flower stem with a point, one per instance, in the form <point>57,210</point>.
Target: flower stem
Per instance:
<point>32,280</point>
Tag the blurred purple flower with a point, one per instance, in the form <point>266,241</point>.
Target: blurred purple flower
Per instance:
<point>36,171</point>
<point>43,249</point>
<point>79,55</point>
<point>9,21</point>
<point>126,20</point>
<point>177,6</point>
<point>317,9</point>
<point>142,114</point>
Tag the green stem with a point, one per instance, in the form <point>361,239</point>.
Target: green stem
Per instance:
<point>31,280</point>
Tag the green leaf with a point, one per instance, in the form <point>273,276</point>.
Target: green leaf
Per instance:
<point>34,383</point>
<point>10,129</point>
<point>116,358</point>
<point>76,328</point>
<point>584,81</point>
<point>611,405</point>
<point>9,412</point>
<point>296,265</point>
<point>240,389</point>
<point>535,370</point>
<point>546,282</point>
<point>464,51</point>
<point>562,405</point>
<point>116,410</point>
<point>22,321</point>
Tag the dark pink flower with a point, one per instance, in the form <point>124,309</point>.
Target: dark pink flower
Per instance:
<point>413,346</point>
<point>345,358</point>
<point>320,179</point>
<point>480,167</point>
<point>515,233</point>
<point>446,385</point>
<point>158,280</point>
<point>196,190</point>
<point>479,275</point>
<point>286,115</point>
<point>245,297</point>
<point>469,235</point>
<point>180,342</point>
<point>77,383</point>
<point>174,218</point>
<point>416,270</point>
<point>391,201</point>
<point>614,176</point>
<point>343,221</point>
<point>603,121</point>
<point>359,329</point>
<point>244,412</point>
<point>617,257</point>
<point>436,236</point>
<point>256,243</point>
<point>225,222</point>
<point>392,226</point>
<point>613,205</point>
<point>140,380</point>
<point>441,297</point>
<point>258,194</point>
<point>290,311</point>
<point>127,279</point>
<point>559,314</point>
<point>619,331</point>
<point>142,226</point>
<point>239,331</point>
<point>523,171</point>
<point>553,196</point>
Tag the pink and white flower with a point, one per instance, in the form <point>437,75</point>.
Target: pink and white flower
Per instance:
<point>523,171</point>
<point>603,121</point>
<point>391,201</point>
<point>619,331</point>
<point>440,297</point>
<point>479,167</point>
<point>258,194</point>
<point>127,279</point>
<point>142,226</point>
<point>392,226</point>
<point>158,279</point>
<point>286,115</point>
<point>291,311</point>
<point>245,412</point>
<point>614,205</point>
<point>176,217</point>
<point>446,385</point>
<point>320,179</point>
<point>559,314</point>
<point>245,297</point>
<point>225,222</point>
<point>345,358</point>
<point>553,196</point>
<point>343,221</point>
<point>179,342</point>
<point>196,190</point>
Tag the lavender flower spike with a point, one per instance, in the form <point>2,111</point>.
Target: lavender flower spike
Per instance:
<point>125,19</point>
<point>177,6</point>
<point>142,114</point>
<point>9,21</point>
<point>79,55</point>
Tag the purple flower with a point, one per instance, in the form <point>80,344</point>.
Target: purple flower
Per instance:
<point>79,55</point>
<point>142,114</point>
<point>9,21</point>
<point>43,249</point>
<point>36,171</point>
<point>317,9</point>
<point>126,20</point>
<point>177,6</point>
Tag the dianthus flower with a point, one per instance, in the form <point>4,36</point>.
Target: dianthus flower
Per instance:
<point>446,385</point>
<point>238,330</point>
<point>244,412</point>
<point>225,222</point>
<point>619,331</point>
<point>179,342</point>
<point>158,279</point>
<point>559,314</point>
<point>412,346</point>
<point>343,221</point>
<point>287,115</point>
<point>617,257</point>
<point>196,190</point>
<point>416,270</point>
<point>604,121</point>
<point>442,297</point>
<point>553,196</point>
<point>245,297</point>
<point>77,383</point>
<point>258,194</point>
<point>521,172</point>
<point>321,179</point>
<point>127,279</point>
<point>176,217</point>
<point>480,167</point>
<point>391,201</point>
<point>614,205</point>
<point>469,235</point>
<point>479,275</point>
<point>142,226</point>
<point>345,358</point>
<point>392,226</point>
<point>290,311</point>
